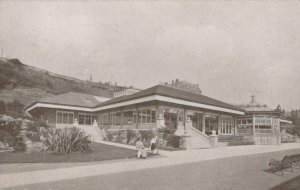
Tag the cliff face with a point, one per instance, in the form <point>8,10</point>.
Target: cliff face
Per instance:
<point>25,84</point>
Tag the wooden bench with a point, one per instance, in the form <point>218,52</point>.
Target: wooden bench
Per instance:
<point>280,165</point>
<point>295,159</point>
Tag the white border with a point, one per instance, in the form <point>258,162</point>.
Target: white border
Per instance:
<point>285,121</point>
<point>45,105</point>
<point>140,100</point>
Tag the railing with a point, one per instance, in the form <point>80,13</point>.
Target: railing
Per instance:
<point>244,131</point>
<point>257,131</point>
<point>263,131</point>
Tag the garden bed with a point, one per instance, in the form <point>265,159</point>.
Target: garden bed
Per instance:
<point>101,152</point>
<point>166,138</point>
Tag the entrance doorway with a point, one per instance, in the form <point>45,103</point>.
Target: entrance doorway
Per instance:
<point>197,122</point>
<point>211,123</point>
<point>170,120</point>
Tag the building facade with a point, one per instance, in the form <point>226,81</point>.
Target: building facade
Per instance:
<point>193,115</point>
<point>260,122</point>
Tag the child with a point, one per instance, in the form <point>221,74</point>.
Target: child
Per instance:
<point>153,144</point>
<point>140,147</point>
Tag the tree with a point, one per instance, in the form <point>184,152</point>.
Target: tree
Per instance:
<point>2,107</point>
<point>15,107</point>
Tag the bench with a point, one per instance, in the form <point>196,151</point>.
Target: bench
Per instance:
<point>280,165</point>
<point>295,159</point>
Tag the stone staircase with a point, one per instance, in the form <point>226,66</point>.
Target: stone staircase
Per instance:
<point>197,138</point>
<point>94,131</point>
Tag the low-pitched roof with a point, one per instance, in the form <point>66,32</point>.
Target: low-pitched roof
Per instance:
<point>74,99</point>
<point>172,93</point>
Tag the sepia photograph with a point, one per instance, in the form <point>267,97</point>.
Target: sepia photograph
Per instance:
<point>149,95</point>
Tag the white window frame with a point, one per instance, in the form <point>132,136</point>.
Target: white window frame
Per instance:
<point>226,125</point>
<point>143,115</point>
<point>68,117</point>
<point>85,118</point>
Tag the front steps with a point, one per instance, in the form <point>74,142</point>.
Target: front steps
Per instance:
<point>197,138</point>
<point>93,131</point>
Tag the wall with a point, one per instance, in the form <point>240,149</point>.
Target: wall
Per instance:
<point>50,115</point>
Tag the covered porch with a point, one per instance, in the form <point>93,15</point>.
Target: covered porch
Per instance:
<point>265,129</point>
<point>156,114</point>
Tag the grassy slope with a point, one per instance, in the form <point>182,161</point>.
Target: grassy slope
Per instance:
<point>27,84</point>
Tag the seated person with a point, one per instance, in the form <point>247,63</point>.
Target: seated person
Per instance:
<point>153,146</point>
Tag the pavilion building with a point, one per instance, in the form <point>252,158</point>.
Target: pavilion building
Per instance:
<point>192,114</point>
<point>260,122</point>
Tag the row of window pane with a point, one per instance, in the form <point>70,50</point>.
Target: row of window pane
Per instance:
<point>263,120</point>
<point>65,117</point>
<point>129,117</point>
<point>244,121</point>
<point>226,124</point>
<point>86,119</point>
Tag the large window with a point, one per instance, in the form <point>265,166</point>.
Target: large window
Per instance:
<point>262,120</point>
<point>147,115</point>
<point>115,118</point>
<point>86,119</point>
<point>128,117</point>
<point>226,125</point>
<point>64,117</point>
<point>104,118</point>
<point>244,123</point>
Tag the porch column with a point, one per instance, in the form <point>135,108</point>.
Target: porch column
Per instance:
<point>160,120</point>
<point>137,117</point>
<point>253,124</point>
<point>235,126</point>
<point>220,127</point>
<point>184,117</point>
<point>121,120</point>
<point>180,125</point>
<point>203,122</point>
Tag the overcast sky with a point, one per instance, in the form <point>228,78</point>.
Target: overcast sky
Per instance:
<point>231,49</point>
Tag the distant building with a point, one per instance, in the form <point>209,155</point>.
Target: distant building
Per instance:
<point>295,117</point>
<point>126,92</point>
<point>260,122</point>
<point>183,85</point>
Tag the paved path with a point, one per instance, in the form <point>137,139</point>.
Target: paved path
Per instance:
<point>173,158</point>
<point>132,147</point>
<point>235,173</point>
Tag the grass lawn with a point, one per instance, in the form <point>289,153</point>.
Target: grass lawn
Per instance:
<point>293,184</point>
<point>101,152</point>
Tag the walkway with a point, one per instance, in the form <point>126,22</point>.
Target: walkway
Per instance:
<point>173,158</point>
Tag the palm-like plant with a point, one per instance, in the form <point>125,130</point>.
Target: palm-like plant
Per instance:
<point>66,140</point>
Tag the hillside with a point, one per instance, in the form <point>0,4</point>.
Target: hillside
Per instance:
<point>22,84</point>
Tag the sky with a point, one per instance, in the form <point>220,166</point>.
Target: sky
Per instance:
<point>232,49</point>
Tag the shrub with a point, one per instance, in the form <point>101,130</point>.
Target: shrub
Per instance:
<point>130,135</point>
<point>146,135</point>
<point>174,141</point>
<point>241,140</point>
<point>36,125</point>
<point>229,138</point>
<point>109,136</point>
<point>167,131</point>
<point>5,137</point>
<point>35,130</point>
<point>66,140</point>
<point>11,134</point>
